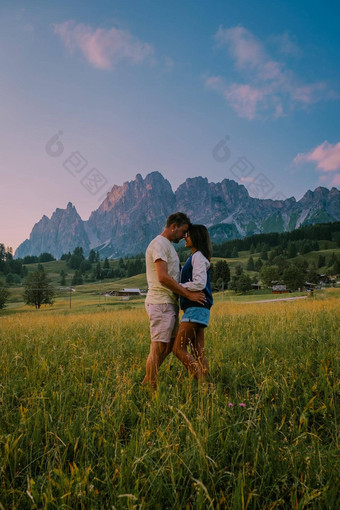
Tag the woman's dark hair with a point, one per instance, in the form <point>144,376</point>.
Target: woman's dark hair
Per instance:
<point>200,239</point>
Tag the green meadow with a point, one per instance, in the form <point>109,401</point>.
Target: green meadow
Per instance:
<point>77,429</point>
<point>91,294</point>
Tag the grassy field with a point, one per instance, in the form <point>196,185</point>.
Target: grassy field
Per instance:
<point>77,429</point>
<point>53,268</point>
<point>91,296</point>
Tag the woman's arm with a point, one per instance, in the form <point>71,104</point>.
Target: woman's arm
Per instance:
<point>200,266</point>
<point>166,280</point>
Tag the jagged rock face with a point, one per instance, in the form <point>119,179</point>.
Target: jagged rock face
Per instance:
<point>210,203</point>
<point>132,214</point>
<point>320,205</point>
<point>60,234</point>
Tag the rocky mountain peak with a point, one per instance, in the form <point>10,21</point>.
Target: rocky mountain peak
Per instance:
<point>319,194</point>
<point>60,234</point>
<point>133,213</point>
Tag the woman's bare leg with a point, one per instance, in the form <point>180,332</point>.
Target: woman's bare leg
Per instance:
<point>199,351</point>
<point>187,334</point>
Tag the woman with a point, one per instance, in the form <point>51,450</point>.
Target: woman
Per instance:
<point>195,276</point>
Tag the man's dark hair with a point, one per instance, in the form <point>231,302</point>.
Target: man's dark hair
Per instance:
<point>200,239</point>
<point>179,218</point>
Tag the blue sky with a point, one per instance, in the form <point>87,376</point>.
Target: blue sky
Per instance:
<point>240,90</point>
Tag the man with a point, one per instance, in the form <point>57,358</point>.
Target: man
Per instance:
<point>162,273</point>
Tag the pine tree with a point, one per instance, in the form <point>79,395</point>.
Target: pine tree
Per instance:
<point>243,283</point>
<point>234,253</point>
<point>250,264</point>
<point>38,290</point>
<point>62,278</point>
<point>312,274</point>
<point>98,271</point>
<point>291,251</point>
<point>294,277</point>
<point>92,256</point>
<point>4,293</point>
<point>77,278</point>
<point>269,274</point>
<point>76,258</point>
<point>238,270</point>
<point>321,261</point>
<point>336,266</point>
<point>222,271</point>
<point>332,260</point>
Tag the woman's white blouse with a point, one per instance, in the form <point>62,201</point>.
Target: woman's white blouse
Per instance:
<point>200,266</point>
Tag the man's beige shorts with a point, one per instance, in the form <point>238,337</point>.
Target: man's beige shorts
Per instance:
<point>164,321</point>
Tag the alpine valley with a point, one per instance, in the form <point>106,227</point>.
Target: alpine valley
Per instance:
<point>132,214</point>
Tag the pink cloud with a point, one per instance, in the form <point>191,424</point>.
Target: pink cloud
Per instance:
<point>243,46</point>
<point>286,44</point>
<point>246,100</point>
<point>215,83</point>
<point>102,48</point>
<point>272,70</point>
<point>242,98</point>
<point>309,94</point>
<point>273,88</point>
<point>326,156</point>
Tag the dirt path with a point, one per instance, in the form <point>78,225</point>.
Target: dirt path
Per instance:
<point>276,300</point>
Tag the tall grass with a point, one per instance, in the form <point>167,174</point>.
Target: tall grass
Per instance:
<point>77,429</point>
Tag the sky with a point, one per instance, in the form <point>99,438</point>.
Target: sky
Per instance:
<point>93,93</point>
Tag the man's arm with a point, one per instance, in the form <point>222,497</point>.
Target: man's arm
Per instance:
<point>169,282</point>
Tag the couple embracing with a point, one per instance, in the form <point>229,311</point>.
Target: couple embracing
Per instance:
<point>166,282</point>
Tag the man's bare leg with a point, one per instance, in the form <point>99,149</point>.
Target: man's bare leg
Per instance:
<point>158,353</point>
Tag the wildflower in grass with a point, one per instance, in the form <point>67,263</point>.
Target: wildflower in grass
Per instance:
<point>230,404</point>
<point>242,405</point>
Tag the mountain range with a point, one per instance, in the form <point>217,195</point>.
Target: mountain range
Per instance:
<point>132,214</point>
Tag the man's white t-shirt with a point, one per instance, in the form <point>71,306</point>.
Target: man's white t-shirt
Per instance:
<point>161,248</point>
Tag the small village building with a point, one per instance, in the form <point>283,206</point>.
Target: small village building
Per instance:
<point>127,292</point>
<point>325,279</point>
<point>255,286</point>
<point>280,289</point>
<point>310,286</point>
